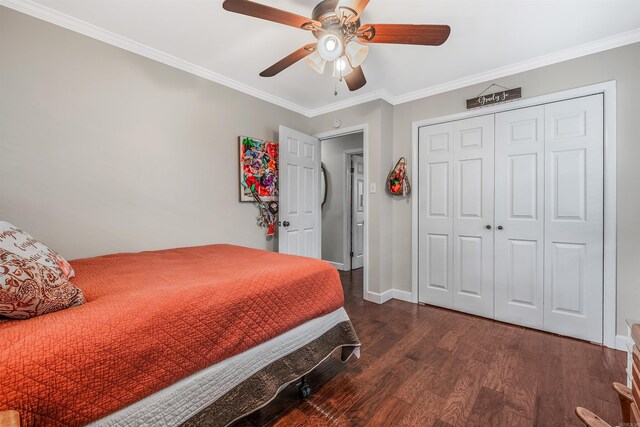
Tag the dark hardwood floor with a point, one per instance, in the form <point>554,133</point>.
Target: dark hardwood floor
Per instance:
<point>426,366</point>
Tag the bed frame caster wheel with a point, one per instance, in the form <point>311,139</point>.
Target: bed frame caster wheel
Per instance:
<point>304,389</point>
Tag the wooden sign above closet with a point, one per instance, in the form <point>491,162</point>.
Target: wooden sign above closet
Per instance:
<point>494,98</point>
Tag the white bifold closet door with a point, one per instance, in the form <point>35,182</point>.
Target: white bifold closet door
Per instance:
<point>435,221</point>
<point>473,215</point>
<point>456,205</point>
<point>574,215</point>
<point>511,224</point>
<point>519,234</point>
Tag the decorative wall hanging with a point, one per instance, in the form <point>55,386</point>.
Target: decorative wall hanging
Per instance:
<point>397,180</point>
<point>258,169</point>
<point>494,98</point>
<point>268,214</point>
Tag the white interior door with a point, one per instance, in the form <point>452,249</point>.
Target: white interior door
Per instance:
<point>519,213</point>
<point>357,212</point>
<point>299,194</point>
<point>435,221</point>
<point>574,217</point>
<point>473,205</point>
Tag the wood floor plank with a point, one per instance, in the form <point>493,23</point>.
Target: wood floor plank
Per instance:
<point>575,366</point>
<point>453,337</point>
<point>425,410</point>
<point>390,413</point>
<point>510,418</point>
<point>458,405</point>
<point>550,402</point>
<point>501,369</point>
<point>446,377</point>
<point>425,376</point>
<point>520,393</point>
<point>487,409</point>
<point>370,403</point>
<point>428,366</point>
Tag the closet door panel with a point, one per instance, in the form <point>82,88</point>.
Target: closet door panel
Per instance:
<point>473,145</point>
<point>574,217</point>
<point>435,224</point>
<point>519,189</point>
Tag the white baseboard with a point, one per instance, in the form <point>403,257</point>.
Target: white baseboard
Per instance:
<point>379,298</point>
<point>338,265</point>
<point>402,295</point>
<point>622,343</point>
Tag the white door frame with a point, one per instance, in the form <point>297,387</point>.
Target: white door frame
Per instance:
<point>346,204</point>
<point>608,89</point>
<point>364,129</point>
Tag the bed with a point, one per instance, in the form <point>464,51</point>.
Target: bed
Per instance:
<point>182,336</point>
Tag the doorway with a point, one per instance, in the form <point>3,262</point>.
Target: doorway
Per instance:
<point>343,207</point>
<point>299,230</point>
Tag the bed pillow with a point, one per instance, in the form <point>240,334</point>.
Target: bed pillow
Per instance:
<point>29,289</point>
<point>14,240</point>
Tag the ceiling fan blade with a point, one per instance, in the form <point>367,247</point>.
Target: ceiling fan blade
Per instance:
<point>355,80</point>
<point>257,10</point>
<point>353,7</point>
<point>431,35</point>
<point>289,60</point>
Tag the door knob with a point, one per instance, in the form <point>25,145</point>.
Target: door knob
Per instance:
<point>286,223</point>
<point>499,227</point>
<point>488,227</point>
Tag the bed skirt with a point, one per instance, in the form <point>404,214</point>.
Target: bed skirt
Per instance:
<point>260,389</point>
<point>235,387</point>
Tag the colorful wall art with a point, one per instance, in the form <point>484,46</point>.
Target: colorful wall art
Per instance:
<point>258,169</point>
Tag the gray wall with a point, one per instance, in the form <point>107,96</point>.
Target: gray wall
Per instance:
<point>379,118</point>
<point>103,151</point>
<point>333,210</point>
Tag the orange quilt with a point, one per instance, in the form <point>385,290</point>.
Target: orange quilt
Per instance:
<point>151,319</point>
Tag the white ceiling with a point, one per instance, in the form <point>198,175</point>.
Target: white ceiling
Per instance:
<point>486,35</point>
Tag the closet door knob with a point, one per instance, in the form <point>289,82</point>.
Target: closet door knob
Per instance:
<point>499,227</point>
<point>488,227</point>
<point>286,223</point>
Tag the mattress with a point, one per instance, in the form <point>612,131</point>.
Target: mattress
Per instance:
<point>177,403</point>
<point>151,320</point>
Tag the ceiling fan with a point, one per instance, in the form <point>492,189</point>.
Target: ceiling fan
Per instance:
<point>341,38</point>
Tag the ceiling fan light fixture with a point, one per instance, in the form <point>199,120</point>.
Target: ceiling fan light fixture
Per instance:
<point>341,67</point>
<point>330,46</point>
<point>356,52</point>
<point>316,62</point>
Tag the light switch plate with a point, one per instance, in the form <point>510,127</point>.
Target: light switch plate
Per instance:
<point>372,187</point>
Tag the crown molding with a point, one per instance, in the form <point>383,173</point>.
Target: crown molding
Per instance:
<point>375,95</point>
<point>79,26</point>
<point>53,16</point>
<point>596,46</point>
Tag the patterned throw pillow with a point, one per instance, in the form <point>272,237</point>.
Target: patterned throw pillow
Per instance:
<point>29,289</point>
<point>14,240</point>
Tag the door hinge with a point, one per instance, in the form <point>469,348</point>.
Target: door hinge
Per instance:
<point>352,170</point>
<point>352,254</point>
